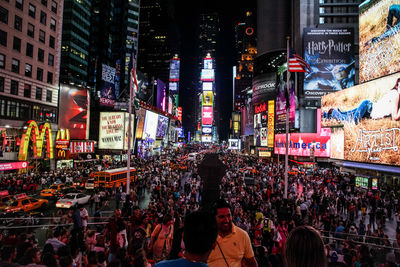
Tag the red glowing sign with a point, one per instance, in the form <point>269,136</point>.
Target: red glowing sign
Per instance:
<point>260,108</point>
<point>207,117</point>
<point>13,165</point>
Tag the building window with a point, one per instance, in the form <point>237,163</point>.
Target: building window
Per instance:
<point>53,24</point>
<point>14,87</point>
<point>51,60</point>
<point>54,6</point>
<point>18,23</point>
<point>1,84</point>
<point>44,2</point>
<point>15,65</point>
<point>2,61</point>
<point>17,44</point>
<point>3,15</point>
<point>29,50</point>
<point>3,38</point>
<point>38,93</point>
<point>31,30</point>
<point>27,90</point>
<point>19,4</point>
<point>49,77</point>
<point>39,74</point>
<point>32,10</point>
<point>40,55</point>
<point>43,17</point>
<point>52,42</point>
<point>49,96</point>
<point>28,70</point>
<point>42,36</point>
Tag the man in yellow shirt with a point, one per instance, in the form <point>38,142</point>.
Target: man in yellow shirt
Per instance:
<point>233,243</point>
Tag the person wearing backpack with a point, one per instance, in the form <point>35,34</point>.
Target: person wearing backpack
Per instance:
<point>161,239</point>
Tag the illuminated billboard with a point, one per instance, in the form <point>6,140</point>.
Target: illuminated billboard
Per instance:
<point>281,101</point>
<point>206,138</point>
<point>234,144</point>
<point>206,130</point>
<point>207,86</point>
<point>207,74</point>
<point>150,125</point>
<point>207,116</point>
<point>107,94</point>
<point>378,38</point>
<point>330,54</point>
<point>173,87</point>
<point>162,126</point>
<point>208,98</point>
<point>369,116</point>
<point>73,111</point>
<point>301,144</point>
<point>208,63</point>
<point>141,116</point>
<point>111,130</point>
<point>174,69</point>
<point>264,88</point>
<point>161,95</point>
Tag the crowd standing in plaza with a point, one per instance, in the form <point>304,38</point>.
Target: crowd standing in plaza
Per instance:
<point>256,225</point>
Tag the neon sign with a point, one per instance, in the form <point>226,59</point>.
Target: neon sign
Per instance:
<point>37,136</point>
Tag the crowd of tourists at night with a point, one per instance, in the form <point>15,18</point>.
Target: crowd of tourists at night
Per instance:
<point>324,221</point>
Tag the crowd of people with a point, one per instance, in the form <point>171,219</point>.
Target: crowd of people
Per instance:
<point>254,221</point>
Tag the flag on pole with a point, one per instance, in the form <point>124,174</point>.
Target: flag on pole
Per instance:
<point>297,63</point>
<point>134,85</point>
<point>134,88</point>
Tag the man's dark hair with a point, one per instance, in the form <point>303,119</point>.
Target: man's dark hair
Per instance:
<point>219,204</point>
<point>6,252</point>
<point>199,232</point>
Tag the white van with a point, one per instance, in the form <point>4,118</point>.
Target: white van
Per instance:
<point>192,156</point>
<point>89,184</point>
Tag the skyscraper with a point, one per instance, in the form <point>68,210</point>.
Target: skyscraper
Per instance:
<point>30,42</point>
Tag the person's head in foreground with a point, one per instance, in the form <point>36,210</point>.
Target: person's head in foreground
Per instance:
<point>305,248</point>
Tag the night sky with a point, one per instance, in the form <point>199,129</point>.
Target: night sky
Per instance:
<point>230,13</point>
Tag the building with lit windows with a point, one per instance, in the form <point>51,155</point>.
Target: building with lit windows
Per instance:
<point>30,44</point>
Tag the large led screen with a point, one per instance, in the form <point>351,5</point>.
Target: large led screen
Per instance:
<point>207,74</point>
<point>126,133</point>
<point>161,95</point>
<point>162,126</point>
<point>281,93</point>
<point>208,98</point>
<point>302,144</point>
<point>207,116</point>
<point>73,113</point>
<point>207,86</point>
<point>330,54</point>
<point>141,116</point>
<point>369,116</point>
<point>111,130</point>
<point>107,94</point>
<point>174,69</point>
<point>379,39</point>
<point>150,125</point>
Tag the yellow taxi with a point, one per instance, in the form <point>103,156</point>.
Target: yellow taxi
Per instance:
<point>24,203</point>
<point>50,192</point>
<point>5,199</point>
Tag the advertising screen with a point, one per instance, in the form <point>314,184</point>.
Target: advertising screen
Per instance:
<point>173,87</point>
<point>281,101</point>
<point>271,123</point>
<point>207,116</point>
<point>208,98</point>
<point>174,69</point>
<point>362,182</point>
<point>162,126</point>
<point>126,129</point>
<point>206,130</point>
<point>207,74</point>
<point>234,144</point>
<point>206,138</point>
<point>161,95</point>
<point>330,54</point>
<point>208,63</point>
<point>264,88</point>
<point>73,111</point>
<point>369,117</point>
<point>141,116</point>
<point>111,130</point>
<point>107,94</point>
<point>207,86</point>
<point>150,125</point>
<point>379,39</point>
<point>248,117</point>
<point>77,147</point>
<point>301,144</point>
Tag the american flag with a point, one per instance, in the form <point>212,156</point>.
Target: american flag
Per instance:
<point>297,64</point>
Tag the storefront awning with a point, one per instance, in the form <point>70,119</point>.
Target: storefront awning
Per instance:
<point>368,166</point>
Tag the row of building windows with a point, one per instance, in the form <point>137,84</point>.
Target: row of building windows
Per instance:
<point>15,67</point>
<point>14,90</point>
<point>26,111</point>
<point>32,8</point>
<point>29,51</point>
<point>31,33</point>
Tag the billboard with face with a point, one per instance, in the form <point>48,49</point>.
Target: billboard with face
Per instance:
<point>162,126</point>
<point>379,38</point>
<point>161,95</point>
<point>208,98</point>
<point>73,113</point>
<point>330,54</point>
<point>281,101</point>
<point>369,116</point>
